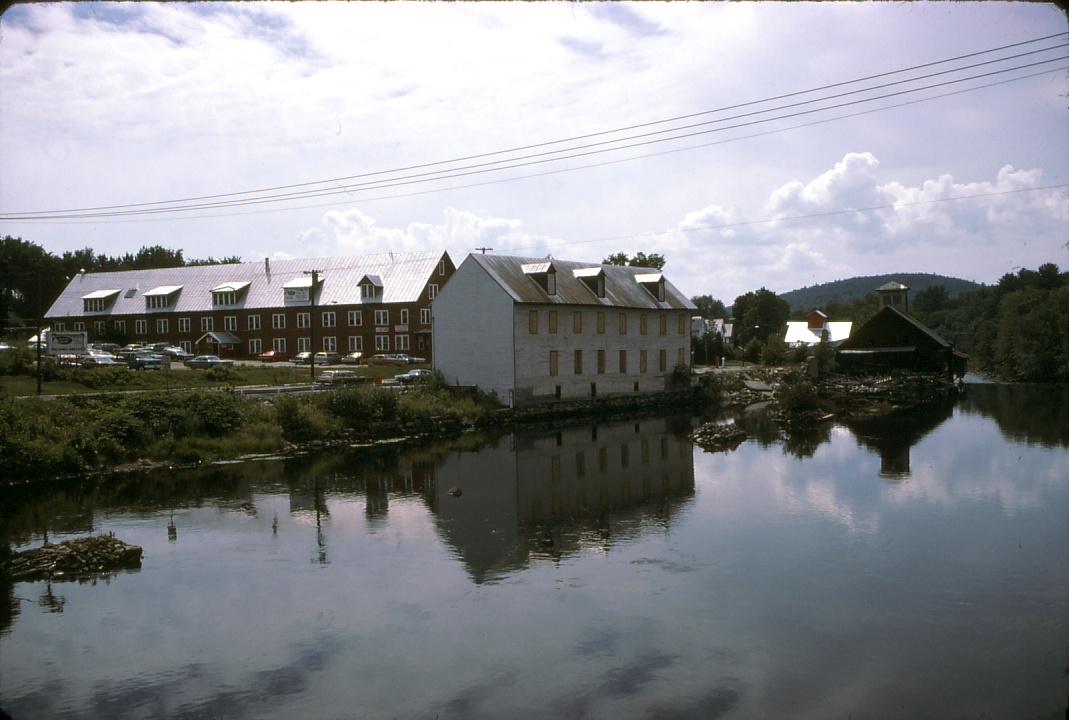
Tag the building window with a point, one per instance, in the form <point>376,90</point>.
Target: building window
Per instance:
<point>256,346</point>
<point>664,324</point>
<point>382,318</point>
<point>356,343</point>
<point>225,297</point>
<point>404,316</point>
<point>432,291</point>
<point>101,326</point>
<point>578,362</point>
<point>330,344</point>
<point>601,323</point>
<point>94,304</point>
<point>230,323</point>
<point>623,361</point>
<point>157,302</point>
<point>601,362</point>
<point>400,342</point>
<point>642,361</point>
<point>532,322</point>
<point>577,322</point>
<point>186,345</point>
<point>441,266</point>
<point>382,343</point>
<point>140,327</point>
<point>681,357</point>
<point>161,326</point>
<point>623,323</point>
<point>552,363</point>
<point>329,319</point>
<point>367,291</point>
<point>62,327</point>
<point>642,324</point>
<point>552,322</point>
<point>253,322</point>
<point>425,316</point>
<point>682,325</point>
<point>206,324</point>
<point>278,344</point>
<point>304,344</point>
<point>662,360</point>
<point>80,326</point>
<point>120,327</point>
<point>551,282</point>
<point>422,342</point>
<point>183,325</point>
<point>304,320</point>
<point>356,318</point>
<point>278,321</point>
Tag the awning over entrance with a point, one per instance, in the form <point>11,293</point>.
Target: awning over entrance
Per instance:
<point>220,338</point>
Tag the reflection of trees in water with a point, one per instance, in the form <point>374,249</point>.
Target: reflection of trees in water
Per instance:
<point>799,441</point>
<point>1023,413</point>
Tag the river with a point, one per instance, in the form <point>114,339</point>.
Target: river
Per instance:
<point>912,566</point>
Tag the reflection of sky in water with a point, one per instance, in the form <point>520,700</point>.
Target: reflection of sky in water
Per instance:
<point>766,586</point>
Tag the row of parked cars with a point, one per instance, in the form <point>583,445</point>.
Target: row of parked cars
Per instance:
<point>349,377</point>
<point>353,358</point>
<point>139,357</point>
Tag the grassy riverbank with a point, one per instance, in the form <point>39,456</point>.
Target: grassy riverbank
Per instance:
<point>80,433</point>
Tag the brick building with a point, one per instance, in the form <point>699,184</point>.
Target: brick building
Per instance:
<point>372,303</point>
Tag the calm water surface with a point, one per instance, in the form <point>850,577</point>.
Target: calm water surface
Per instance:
<point>909,567</point>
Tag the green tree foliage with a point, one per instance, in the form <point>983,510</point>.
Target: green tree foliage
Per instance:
<point>709,307</point>
<point>931,299</point>
<point>640,259</point>
<point>758,315</point>
<point>774,351</point>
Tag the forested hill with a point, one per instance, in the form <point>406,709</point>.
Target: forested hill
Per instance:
<point>851,289</point>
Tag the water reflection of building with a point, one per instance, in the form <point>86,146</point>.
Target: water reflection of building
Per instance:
<point>893,435</point>
<point>552,493</point>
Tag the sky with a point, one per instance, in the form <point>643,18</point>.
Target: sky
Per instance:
<point>106,104</point>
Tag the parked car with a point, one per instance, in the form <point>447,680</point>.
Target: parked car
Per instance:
<point>414,376</point>
<point>145,361</point>
<point>208,361</point>
<point>388,359</point>
<point>326,358</point>
<point>340,377</point>
<point>302,358</point>
<point>92,361</point>
<point>353,358</point>
<point>415,360</point>
<point>271,356</point>
<point>176,353</point>
<point>4,347</point>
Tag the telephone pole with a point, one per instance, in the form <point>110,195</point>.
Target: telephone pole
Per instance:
<point>312,321</point>
<point>483,250</point>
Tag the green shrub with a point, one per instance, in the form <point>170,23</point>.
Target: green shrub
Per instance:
<point>798,397</point>
<point>774,351</point>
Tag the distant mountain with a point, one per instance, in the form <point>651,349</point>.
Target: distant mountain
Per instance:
<point>851,289</point>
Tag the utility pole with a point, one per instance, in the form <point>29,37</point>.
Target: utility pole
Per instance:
<point>38,334</point>
<point>483,250</point>
<point>312,321</point>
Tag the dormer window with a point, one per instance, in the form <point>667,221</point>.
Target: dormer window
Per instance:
<point>370,287</point>
<point>162,297</point>
<point>99,300</point>
<point>544,274</point>
<point>228,293</point>
<point>593,278</point>
<point>654,284</point>
<point>299,289</point>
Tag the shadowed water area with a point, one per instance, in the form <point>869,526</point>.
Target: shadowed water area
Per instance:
<point>912,565</point>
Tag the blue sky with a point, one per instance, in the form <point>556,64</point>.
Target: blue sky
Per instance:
<point>107,104</point>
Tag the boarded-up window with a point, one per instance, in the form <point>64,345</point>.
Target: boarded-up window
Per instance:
<point>623,361</point>
<point>642,361</point>
<point>681,358</point>
<point>601,362</point>
<point>682,324</point>
<point>578,362</point>
<point>552,322</point>
<point>552,362</point>
<point>601,323</point>
<point>532,322</point>
<point>662,360</point>
<point>623,323</point>
<point>664,324</point>
<point>642,324</point>
<point>577,322</point>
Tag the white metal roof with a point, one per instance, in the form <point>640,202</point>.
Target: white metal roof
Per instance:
<point>798,332</point>
<point>404,277</point>
<point>97,294</point>
<point>231,286</point>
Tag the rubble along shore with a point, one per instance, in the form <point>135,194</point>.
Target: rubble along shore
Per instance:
<point>73,560</point>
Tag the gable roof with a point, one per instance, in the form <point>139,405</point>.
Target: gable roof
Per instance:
<point>403,277</point>
<point>879,332</point>
<point>622,285</point>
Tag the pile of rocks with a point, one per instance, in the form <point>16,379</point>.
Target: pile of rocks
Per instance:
<point>716,437</point>
<point>73,559</point>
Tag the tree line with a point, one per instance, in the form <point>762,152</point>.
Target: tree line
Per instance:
<point>31,278</point>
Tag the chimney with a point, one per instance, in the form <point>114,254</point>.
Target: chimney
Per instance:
<point>267,266</point>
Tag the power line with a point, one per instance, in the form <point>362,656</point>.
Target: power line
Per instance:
<point>385,184</point>
<point>578,167</point>
<point>391,182</point>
